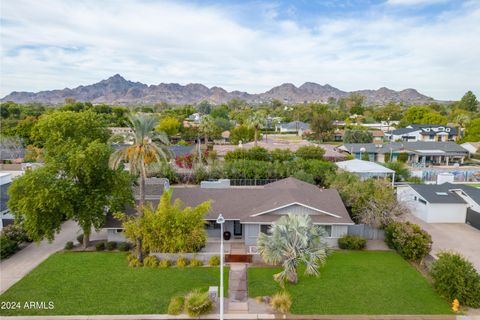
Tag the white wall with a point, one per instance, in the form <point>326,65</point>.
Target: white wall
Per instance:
<point>112,235</point>
<point>447,213</point>
<point>406,195</point>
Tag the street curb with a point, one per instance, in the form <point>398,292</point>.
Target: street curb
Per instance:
<point>239,316</point>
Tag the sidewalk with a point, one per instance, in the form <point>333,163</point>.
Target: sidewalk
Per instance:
<point>21,263</point>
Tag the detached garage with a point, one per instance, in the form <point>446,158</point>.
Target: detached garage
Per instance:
<point>444,203</point>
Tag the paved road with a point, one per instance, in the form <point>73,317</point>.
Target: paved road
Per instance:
<point>24,261</point>
<point>459,237</point>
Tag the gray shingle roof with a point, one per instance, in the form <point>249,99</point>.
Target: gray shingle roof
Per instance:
<point>449,146</point>
<point>436,193</point>
<point>243,203</point>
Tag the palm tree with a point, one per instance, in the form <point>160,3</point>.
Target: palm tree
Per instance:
<point>207,127</point>
<point>460,121</point>
<point>256,121</point>
<point>146,149</point>
<point>293,240</point>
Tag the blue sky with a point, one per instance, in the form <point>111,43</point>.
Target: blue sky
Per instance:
<point>430,45</point>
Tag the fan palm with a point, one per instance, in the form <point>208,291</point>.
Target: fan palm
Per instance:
<point>293,240</point>
<point>207,127</point>
<point>256,121</point>
<point>148,148</point>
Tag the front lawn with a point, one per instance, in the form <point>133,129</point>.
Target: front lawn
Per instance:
<point>81,283</point>
<point>367,282</point>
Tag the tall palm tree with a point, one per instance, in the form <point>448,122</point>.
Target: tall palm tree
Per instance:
<point>256,121</point>
<point>293,240</point>
<point>460,121</point>
<point>207,127</point>
<point>148,147</point>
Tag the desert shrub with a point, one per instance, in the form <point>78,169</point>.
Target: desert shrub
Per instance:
<point>182,262</point>
<point>123,246</point>
<point>80,238</point>
<point>408,239</point>
<point>176,305</point>
<point>282,155</point>
<point>454,277</point>
<point>196,263</point>
<point>100,246</point>
<point>150,262</point>
<point>111,245</point>
<point>134,262</point>
<point>351,242</point>
<point>68,245</point>
<point>7,247</point>
<point>214,261</point>
<point>164,263</point>
<point>197,303</point>
<point>302,175</point>
<point>281,302</point>
<point>16,233</point>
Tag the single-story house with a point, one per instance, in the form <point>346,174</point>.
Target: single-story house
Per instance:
<point>423,132</point>
<point>366,169</point>
<point>251,210</point>
<point>440,203</point>
<point>295,126</point>
<point>419,153</point>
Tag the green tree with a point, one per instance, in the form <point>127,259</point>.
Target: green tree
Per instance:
<point>256,121</point>
<point>241,133</point>
<point>204,107</point>
<point>293,240</point>
<point>208,128</point>
<point>322,125</point>
<point>357,136</point>
<point>169,125</point>
<point>469,102</point>
<point>147,148</point>
<point>422,115</point>
<point>170,228</point>
<point>472,131</point>
<point>76,176</point>
<point>310,152</point>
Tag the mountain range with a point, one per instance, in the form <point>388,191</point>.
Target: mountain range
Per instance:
<point>118,90</point>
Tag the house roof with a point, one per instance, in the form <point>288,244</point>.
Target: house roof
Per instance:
<point>438,193</point>
<point>294,125</point>
<point>424,128</point>
<point>415,147</point>
<point>361,166</point>
<point>256,204</point>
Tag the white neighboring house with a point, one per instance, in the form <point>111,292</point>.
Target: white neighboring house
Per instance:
<point>423,132</point>
<point>5,182</point>
<point>441,203</point>
<point>295,126</point>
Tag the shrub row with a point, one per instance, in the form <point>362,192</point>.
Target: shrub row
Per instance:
<point>181,262</point>
<point>101,246</point>
<point>282,155</point>
<point>409,240</point>
<point>351,242</point>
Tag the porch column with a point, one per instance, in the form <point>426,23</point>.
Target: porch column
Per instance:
<point>447,158</point>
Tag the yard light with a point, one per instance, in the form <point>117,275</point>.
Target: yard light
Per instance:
<point>362,149</point>
<point>221,221</point>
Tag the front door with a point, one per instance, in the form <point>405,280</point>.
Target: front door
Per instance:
<point>237,229</point>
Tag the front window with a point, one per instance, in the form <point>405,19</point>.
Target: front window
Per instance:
<point>265,228</point>
<point>327,229</point>
<point>211,225</point>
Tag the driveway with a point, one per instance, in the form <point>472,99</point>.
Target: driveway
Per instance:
<point>459,237</point>
<point>17,266</point>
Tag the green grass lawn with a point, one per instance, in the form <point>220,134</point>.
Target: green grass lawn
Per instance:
<point>368,282</point>
<point>102,283</point>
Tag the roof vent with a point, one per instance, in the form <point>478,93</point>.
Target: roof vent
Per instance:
<point>441,193</point>
<point>218,184</point>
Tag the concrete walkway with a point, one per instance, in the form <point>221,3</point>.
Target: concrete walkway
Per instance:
<point>21,263</point>
<point>237,289</point>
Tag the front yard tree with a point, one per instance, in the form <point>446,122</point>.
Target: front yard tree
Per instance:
<point>293,240</point>
<point>256,121</point>
<point>169,228</point>
<point>76,181</point>
<point>148,147</point>
<point>322,125</point>
<point>207,128</point>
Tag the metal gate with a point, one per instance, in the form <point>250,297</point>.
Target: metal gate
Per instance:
<point>473,218</point>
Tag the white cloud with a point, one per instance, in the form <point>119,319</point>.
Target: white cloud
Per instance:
<point>414,2</point>
<point>55,44</point>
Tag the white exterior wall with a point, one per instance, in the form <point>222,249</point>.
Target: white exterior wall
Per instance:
<point>407,195</point>
<point>447,213</point>
<point>113,235</point>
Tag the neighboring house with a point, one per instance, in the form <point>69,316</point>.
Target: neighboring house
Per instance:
<point>423,132</point>
<point>441,203</point>
<point>195,117</point>
<point>126,132</point>
<point>419,153</point>
<point>6,218</point>
<point>251,210</point>
<point>472,147</point>
<point>12,154</point>
<point>295,126</point>
<point>383,126</point>
<point>366,169</point>
<point>225,138</point>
